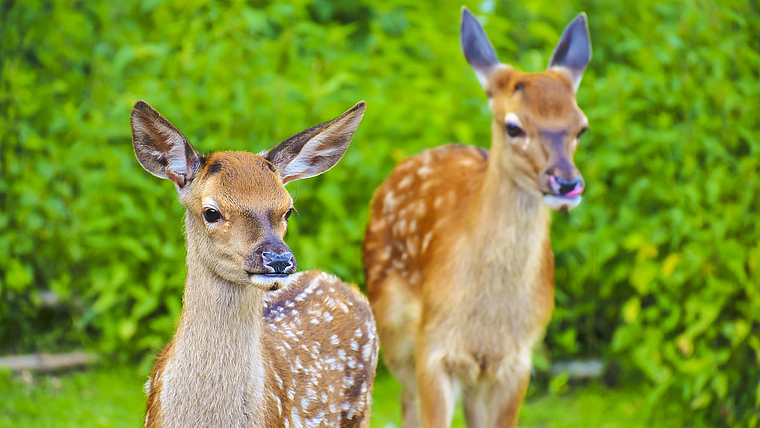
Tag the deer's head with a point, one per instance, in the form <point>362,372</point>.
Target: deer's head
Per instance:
<point>537,122</point>
<point>237,205</point>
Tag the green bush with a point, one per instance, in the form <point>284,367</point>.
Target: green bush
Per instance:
<point>657,269</point>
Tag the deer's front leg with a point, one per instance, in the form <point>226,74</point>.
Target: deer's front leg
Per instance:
<point>437,391</point>
<point>506,398</point>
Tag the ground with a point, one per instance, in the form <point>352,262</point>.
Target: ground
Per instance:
<point>113,397</point>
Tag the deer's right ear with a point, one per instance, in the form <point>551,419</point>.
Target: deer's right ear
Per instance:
<point>477,48</point>
<point>160,148</point>
<point>316,149</point>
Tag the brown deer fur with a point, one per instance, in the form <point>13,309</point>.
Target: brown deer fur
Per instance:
<point>254,348</point>
<point>458,256</point>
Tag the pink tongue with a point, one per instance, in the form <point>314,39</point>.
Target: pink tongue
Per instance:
<point>575,192</point>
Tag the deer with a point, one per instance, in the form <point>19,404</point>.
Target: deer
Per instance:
<point>257,343</point>
<point>457,254</point>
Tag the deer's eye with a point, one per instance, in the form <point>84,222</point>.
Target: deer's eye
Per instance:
<point>287,214</point>
<point>514,130</point>
<point>212,215</point>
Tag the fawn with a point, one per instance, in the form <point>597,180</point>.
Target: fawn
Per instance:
<point>257,344</point>
<point>457,253</point>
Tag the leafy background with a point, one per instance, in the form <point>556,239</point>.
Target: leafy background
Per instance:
<point>658,271</point>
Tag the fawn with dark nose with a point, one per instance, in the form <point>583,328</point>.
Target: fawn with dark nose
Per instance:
<point>257,344</point>
<point>457,252</point>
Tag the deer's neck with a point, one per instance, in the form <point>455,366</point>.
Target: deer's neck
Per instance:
<point>215,372</point>
<point>509,225</point>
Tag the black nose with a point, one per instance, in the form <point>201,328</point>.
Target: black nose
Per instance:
<point>567,186</point>
<point>279,262</point>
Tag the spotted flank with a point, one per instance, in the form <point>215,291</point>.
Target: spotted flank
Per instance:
<point>323,346</point>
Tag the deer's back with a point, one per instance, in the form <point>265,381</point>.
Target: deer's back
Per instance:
<point>413,211</point>
<point>320,340</point>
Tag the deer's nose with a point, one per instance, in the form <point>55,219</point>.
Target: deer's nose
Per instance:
<point>567,188</point>
<point>279,262</point>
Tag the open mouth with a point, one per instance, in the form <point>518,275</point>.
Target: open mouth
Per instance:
<point>562,203</point>
<point>270,281</point>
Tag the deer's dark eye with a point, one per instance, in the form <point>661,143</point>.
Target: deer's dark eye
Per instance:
<point>583,131</point>
<point>212,215</point>
<point>287,214</point>
<point>514,130</point>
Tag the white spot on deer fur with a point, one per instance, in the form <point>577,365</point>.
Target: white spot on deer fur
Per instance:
<point>291,394</point>
<point>421,208</point>
<point>354,345</point>
<point>424,171</point>
<point>438,202</point>
<point>358,333</point>
<point>405,182</point>
<point>334,339</point>
<point>426,241</point>
<point>279,379</point>
<point>400,227</point>
<point>411,246</point>
<point>366,351</point>
<point>377,225</point>
<point>389,202</point>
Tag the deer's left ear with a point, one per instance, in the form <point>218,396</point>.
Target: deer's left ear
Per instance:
<point>316,149</point>
<point>573,52</point>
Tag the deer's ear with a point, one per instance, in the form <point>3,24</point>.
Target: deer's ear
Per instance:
<point>477,48</point>
<point>573,52</point>
<point>316,149</point>
<point>160,148</point>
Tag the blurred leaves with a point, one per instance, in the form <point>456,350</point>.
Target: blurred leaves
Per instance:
<point>658,268</point>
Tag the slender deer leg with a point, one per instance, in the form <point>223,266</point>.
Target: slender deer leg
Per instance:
<point>410,409</point>
<point>475,412</point>
<point>506,399</point>
<point>436,394</point>
<point>404,372</point>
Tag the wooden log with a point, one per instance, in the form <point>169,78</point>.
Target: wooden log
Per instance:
<point>46,362</point>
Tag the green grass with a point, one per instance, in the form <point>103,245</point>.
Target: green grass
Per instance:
<point>113,398</point>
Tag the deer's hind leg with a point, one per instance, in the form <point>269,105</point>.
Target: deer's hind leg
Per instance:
<point>397,315</point>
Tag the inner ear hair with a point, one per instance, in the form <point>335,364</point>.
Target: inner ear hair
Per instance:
<point>160,148</point>
<point>317,149</point>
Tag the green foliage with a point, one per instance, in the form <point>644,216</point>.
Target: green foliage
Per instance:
<point>658,268</point>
